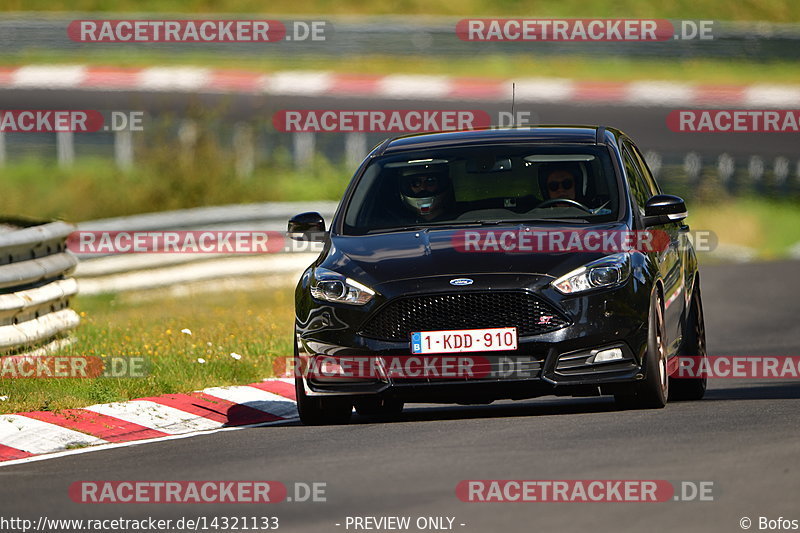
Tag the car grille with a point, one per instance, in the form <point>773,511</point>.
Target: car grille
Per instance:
<point>467,310</point>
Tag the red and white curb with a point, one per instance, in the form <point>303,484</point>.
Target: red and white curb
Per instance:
<point>396,87</point>
<point>27,435</point>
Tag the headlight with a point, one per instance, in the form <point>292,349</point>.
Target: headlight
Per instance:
<point>604,272</point>
<point>333,287</point>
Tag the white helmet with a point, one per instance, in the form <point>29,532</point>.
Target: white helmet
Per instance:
<point>424,188</point>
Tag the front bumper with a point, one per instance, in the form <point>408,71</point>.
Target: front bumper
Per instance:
<point>558,362</point>
<point>509,377</point>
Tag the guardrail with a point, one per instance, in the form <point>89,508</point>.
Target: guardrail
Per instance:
<point>35,286</point>
<point>101,273</point>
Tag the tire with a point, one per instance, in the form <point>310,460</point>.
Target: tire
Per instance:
<point>653,391</point>
<point>320,411</point>
<point>694,345</point>
<point>379,407</point>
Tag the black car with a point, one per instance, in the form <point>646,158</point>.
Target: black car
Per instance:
<point>467,267</point>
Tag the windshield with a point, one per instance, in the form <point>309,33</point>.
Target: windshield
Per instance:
<point>484,185</point>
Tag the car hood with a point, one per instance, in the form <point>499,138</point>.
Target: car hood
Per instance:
<point>388,257</point>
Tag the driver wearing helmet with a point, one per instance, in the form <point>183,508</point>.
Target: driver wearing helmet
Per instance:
<point>426,191</point>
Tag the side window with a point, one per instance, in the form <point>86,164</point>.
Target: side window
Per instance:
<point>649,180</point>
<point>635,180</point>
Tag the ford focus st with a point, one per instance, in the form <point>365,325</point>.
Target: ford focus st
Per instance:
<point>468,267</point>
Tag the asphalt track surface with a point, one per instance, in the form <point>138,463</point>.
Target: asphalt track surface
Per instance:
<point>646,125</point>
<point>743,437</point>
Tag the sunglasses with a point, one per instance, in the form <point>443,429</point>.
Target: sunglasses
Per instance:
<point>422,182</point>
<point>555,185</point>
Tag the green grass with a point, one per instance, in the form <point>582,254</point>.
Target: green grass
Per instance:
<point>766,221</point>
<point>94,189</point>
<point>773,10</point>
<point>768,226</point>
<point>256,325</point>
<point>166,176</point>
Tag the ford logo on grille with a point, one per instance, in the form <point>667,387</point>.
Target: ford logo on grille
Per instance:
<point>458,282</point>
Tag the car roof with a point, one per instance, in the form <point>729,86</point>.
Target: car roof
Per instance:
<point>523,134</point>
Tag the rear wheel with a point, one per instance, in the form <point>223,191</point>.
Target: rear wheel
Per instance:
<point>653,391</point>
<point>320,411</point>
<point>693,345</point>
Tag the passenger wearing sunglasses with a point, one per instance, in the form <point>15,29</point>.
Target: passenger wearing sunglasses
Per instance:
<point>560,182</point>
<point>564,181</point>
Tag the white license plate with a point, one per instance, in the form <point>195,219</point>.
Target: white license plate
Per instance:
<point>464,340</point>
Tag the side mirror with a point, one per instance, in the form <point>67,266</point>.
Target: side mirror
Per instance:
<point>307,227</point>
<point>663,209</point>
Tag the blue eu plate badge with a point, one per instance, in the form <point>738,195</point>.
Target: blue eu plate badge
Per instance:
<point>416,343</point>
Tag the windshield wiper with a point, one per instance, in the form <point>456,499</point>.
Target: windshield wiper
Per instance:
<point>516,222</point>
<point>397,229</point>
<point>469,223</point>
<point>436,225</point>
<point>555,220</point>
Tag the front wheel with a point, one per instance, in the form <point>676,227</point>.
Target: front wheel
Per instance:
<point>693,345</point>
<point>320,411</point>
<point>653,391</point>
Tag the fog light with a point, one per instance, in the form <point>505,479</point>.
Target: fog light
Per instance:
<point>603,356</point>
<point>328,367</point>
